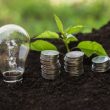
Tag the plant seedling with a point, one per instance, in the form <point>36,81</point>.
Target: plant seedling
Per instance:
<point>67,36</point>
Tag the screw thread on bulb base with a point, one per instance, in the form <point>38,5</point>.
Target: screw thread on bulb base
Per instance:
<point>12,76</point>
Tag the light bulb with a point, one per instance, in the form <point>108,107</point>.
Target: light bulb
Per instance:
<point>14,48</point>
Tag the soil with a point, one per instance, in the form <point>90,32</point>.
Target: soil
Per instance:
<point>90,91</point>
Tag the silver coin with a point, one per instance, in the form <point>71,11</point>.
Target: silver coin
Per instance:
<point>100,69</point>
<point>73,59</point>
<point>73,64</point>
<point>73,69</point>
<point>50,63</point>
<point>51,72</point>
<point>75,73</point>
<point>100,59</point>
<point>49,77</point>
<point>50,53</point>
<point>101,64</point>
<point>51,67</point>
<point>49,57</point>
<point>74,54</point>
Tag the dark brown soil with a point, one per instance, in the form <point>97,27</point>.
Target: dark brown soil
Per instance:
<point>91,91</point>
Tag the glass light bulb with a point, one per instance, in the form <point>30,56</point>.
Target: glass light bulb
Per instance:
<point>14,48</point>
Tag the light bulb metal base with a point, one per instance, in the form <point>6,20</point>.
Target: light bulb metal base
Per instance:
<point>12,76</point>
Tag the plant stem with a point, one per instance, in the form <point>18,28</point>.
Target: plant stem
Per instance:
<point>67,47</point>
<point>64,40</point>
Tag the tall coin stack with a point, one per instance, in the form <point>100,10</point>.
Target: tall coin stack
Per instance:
<point>50,65</point>
<point>100,64</point>
<point>74,63</point>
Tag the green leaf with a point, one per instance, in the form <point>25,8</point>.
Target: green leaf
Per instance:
<point>75,29</point>
<point>48,34</point>
<point>59,23</point>
<point>71,38</point>
<point>41,45</point>
<point>90,47</point>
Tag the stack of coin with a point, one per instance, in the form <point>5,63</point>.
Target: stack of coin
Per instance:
<point>74,63</point>
<point>100,64</point>
<point>50,65</point>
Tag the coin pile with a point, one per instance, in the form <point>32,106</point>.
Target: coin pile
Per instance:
<point>101,64</point>
<point>74,63</point>
<point>50,65</point>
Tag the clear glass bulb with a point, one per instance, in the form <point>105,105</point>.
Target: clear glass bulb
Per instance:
<point>14,48</point>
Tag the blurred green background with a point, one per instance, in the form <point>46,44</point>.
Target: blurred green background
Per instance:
<point>36,16</point>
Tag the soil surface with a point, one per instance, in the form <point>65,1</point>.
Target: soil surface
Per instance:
<point>90,91</point>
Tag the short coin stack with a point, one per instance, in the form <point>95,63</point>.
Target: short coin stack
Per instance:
<point>50,65</point>
<point>101,64</point>
<point>74,63</point>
